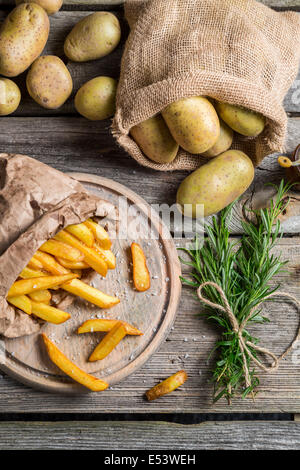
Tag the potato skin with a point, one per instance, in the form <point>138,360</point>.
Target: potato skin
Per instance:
<point>216,184</point>
<point>223,143</point>
<point>93,37</point>
<point>193,123</point>
<point>154,139</point>
<point>50,6</point>
<point>10,96</point>
<point>95,100</point>
<point>23,36</point>
<point>241,120</point>
<point>49,82</point>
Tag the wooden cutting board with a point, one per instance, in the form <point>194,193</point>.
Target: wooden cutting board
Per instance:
<point>153,311</point>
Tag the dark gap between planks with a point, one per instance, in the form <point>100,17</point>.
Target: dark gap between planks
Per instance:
<point>188,418</point>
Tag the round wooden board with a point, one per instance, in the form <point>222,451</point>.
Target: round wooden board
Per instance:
<point>153,311</point>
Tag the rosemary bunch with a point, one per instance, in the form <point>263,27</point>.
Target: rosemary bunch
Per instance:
<point>243,271</point>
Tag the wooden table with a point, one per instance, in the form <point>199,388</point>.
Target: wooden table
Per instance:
<point>68,142</point>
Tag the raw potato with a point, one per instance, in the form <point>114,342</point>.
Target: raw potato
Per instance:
<point>10,96</point>
<point>241,120</point>
<point>193,123</point>
<point>49,82</point>
<point>50,6</point>
<point>96,99</point>
<point>223,143</point>
<point>93,37</point>
<point>216,184</point>
<point>23,36</point>
<point>154,139</point>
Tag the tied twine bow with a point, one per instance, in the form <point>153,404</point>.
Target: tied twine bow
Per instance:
<point>238,329</point>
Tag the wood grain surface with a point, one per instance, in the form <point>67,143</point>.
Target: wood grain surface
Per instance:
<point>71,143</point>
<point>89,435</point>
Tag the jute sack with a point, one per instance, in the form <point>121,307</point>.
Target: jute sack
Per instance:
<point>36,202</point>
<point>237,51</point>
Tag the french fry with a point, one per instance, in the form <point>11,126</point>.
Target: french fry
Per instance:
<point>40,296</point>
<point>109,342</point>
<point>91,257</point>
<point>22,302</point>
<point>70,369</point>
<point>102,324</point>
<point>64,250</point>
<point>72,264</point>
<point>83,233</point>
<point>29,273</point>
<point>100,233</point>
<point>48,313</point>
<point>106,255</point>
<point>78,288</point>
<point>167,386</point>
<point>91,294</point>
<point>141,276</point>
<point>50,264</point>
<point>26,286</point>
<point>35,264</point>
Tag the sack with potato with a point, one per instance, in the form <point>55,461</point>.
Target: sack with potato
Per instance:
<point>201,76</point>
<point>37,203</point>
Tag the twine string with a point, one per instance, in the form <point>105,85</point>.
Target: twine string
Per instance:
<point>238,329</point>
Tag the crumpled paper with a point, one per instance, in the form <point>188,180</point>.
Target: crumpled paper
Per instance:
<point>36,202</point>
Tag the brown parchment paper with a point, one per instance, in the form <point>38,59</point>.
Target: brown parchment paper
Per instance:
<point>237,51</point>
<point>36,202</point>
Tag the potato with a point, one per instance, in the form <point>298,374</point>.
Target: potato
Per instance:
<point>93,37</point>
<point>223,143</point>
<point>50,6</point>
<point>154,139</point>
<point>49,82</point>
<point>23,36</point>
<point>216,184</point>
<point>193,123</point>
<point>10,96</point>
<point>241,120</point>
<point>95,100</point>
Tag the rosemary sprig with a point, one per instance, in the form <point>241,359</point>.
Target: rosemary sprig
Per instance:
<point>243,272</point>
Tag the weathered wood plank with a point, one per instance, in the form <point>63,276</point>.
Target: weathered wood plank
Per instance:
<point>118,435</point>
<point>270,3</point>
<point>188,346</point>
<point>75,144</point>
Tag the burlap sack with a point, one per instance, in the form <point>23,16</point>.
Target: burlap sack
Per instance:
<point>36,201</point>
<point>237,51</point>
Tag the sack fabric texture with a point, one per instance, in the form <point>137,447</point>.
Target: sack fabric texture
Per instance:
<point>237,51</point>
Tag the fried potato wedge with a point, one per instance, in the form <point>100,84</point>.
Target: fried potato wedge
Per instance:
<point>29,273</point>
<point>103,324</point>
<point>35,264</point>
<point>91,294</point>
<point>109,342</point>
<point>167,386</point>
<point>22,302</point>
<point>91,257</point>
<point>72,264</point>
<point>26,286</point>
<point>70,369</point>
<point>106,255</point>
<point>50,264</point>
<point>83,233</point>
<point>100,234</point>
<point>48,313</point>
<point>40,296</point>
<point>64,250</point>
<point>141,276</point>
